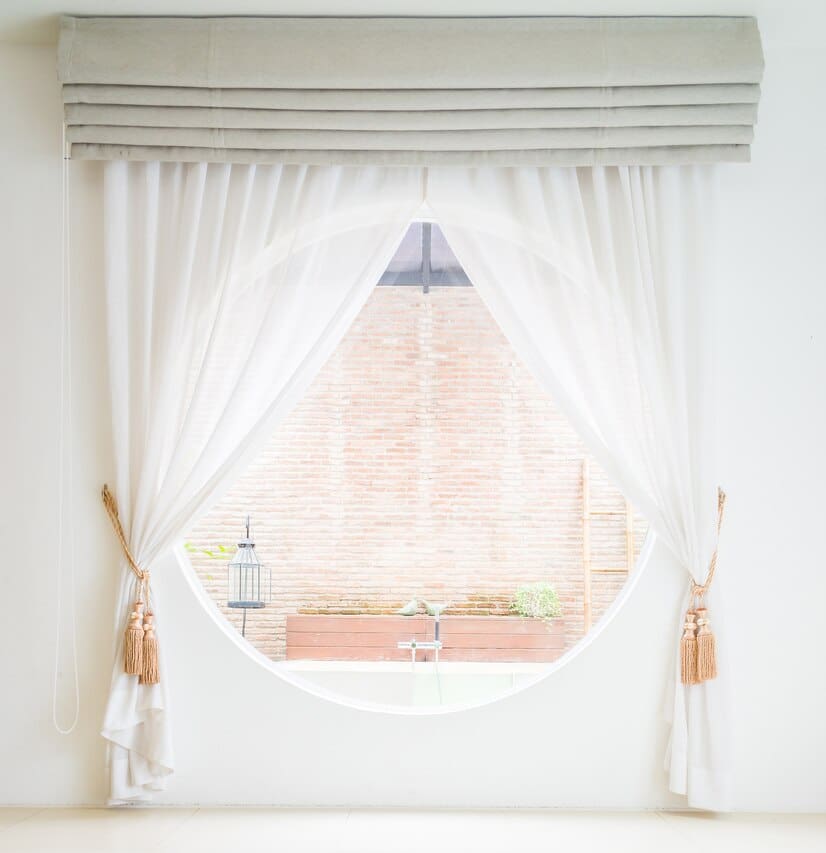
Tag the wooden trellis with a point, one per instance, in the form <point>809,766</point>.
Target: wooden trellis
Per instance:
<point>588,515</point>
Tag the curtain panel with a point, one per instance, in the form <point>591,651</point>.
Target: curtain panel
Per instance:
<point>600,279</point>
<point>227,289</point>
<point>564,91</point>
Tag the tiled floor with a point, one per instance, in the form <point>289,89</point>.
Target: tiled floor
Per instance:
<point>389,831</point>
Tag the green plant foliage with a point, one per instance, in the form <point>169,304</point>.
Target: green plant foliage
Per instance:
<point>220,552</point>
<point>537,601</point>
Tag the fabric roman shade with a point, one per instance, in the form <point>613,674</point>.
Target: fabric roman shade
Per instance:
<point>411,91</point>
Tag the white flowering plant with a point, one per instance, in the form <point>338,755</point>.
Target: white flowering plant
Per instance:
<point>537,600</point>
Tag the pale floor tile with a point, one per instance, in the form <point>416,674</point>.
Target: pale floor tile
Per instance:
<point>254,830</point>
<point>11,816</point>
<point>506,831</point>
<point>93,830</point>
<point>754,833</point>
<point>374,830</point>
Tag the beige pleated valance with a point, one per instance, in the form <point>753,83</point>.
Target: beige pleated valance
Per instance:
<point>398,91</point>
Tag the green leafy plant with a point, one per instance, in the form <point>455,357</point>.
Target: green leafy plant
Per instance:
<point>537,600</point>
<point>220,552</point>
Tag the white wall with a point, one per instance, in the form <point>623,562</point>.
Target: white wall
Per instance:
<point>589,736</point>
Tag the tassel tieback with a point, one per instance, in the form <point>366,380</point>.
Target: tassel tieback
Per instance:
<point>149,664</point>
<point>688,649</point>
<point>706,648</point>
<point>133,641</point>
<point>140,644</point>
<point>698,648</point>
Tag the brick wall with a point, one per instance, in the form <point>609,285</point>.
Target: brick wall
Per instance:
<point>424,461</point>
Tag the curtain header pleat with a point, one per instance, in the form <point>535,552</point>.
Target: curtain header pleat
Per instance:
<point>411,90</point>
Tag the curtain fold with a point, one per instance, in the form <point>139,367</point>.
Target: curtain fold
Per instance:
<point>227,289</point>
<point>599,278</point>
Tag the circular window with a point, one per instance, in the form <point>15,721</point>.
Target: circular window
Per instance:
<point>426,528</point>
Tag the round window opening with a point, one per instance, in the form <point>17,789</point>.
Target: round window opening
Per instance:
<point>426,529</point>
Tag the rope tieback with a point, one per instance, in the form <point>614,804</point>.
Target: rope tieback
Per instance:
<point>698,648</point>
<point>140,645</point>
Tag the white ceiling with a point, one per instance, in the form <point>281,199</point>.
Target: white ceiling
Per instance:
<point>35,21</point>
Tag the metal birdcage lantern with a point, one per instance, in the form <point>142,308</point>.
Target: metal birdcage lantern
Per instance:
<point>249,581</point>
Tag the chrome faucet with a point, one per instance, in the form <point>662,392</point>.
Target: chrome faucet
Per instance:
<point>414,645</point>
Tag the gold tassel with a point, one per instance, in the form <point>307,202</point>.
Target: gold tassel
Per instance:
<point>140,644</point>
<point>133,641</point>
<point>706,648</point>
<point>688,649</point>
<point>149,671</point>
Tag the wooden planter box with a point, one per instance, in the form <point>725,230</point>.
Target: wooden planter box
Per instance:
<point>464,638</point>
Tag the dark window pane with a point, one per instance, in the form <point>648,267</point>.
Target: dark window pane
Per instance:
<point>407,267</point>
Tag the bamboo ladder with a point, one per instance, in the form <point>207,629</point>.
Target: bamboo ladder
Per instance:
<point>588,515</point>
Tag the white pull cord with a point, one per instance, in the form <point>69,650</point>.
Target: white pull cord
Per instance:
<point>65,455</point>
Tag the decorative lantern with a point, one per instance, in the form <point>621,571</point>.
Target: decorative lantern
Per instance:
<point>249,582</point>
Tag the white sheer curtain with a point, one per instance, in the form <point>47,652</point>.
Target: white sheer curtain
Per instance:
<point>229,286</point>
<point>227,289</point>
<point>599,278</point>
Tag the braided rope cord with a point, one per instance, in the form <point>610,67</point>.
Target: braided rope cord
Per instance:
<point>699,590</point>
<point>111,506</point>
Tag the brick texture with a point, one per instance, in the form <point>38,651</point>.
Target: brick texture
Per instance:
<point>424,461</point>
